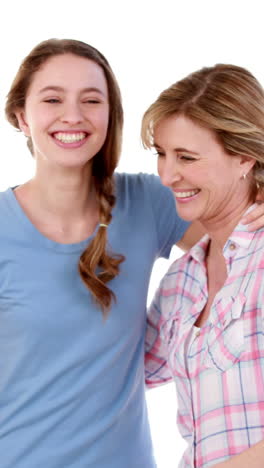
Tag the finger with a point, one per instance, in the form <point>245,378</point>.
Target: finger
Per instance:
<point>257,212</point>
<point>256,224</point>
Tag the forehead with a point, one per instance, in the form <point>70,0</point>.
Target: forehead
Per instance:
<point>178,129</point>
<point>69,72</point>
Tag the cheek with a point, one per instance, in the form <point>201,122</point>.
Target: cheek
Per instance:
<point>105,122</point>
<point>101,122</point>
<point>99,116</point>
<point>160,166</point>
<point>106,119</point>
<point>35,121</point>
<point>211,176</point>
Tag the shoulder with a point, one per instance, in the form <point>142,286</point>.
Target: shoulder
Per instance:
<point>5,201</point>
<point>183,277</point>
<point>8,229</point>
<point>246,247</point>
<point>153,206</point>
<point>145,191</point>
<point>3,194</point>
<point>176,270</point>
<point>141,181</point>
<point>9,215</point>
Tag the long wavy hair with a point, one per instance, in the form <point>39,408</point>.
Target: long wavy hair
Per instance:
<point>97,265</point>
<point>226,99</point>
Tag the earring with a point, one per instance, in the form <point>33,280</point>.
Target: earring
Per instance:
<point>244,176</point>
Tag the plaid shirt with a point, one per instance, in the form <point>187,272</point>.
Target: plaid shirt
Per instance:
<point>219,368</point>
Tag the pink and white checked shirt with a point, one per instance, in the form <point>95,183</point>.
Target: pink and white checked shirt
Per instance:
<point>219,368</point>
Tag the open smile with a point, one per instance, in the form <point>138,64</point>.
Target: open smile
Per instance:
<point>70,137</point>
<point>183,196</point>
<point>186,194</point>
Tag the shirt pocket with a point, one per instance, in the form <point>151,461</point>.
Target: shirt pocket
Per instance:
<point>174,338</point>
<point>225,340</point>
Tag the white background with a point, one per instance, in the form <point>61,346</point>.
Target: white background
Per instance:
<point>150,45</point>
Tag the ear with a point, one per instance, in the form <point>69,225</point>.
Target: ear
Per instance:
<point>246,163</point>
<point>22,122</point>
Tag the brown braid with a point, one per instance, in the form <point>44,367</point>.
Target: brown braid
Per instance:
<point>96,266</point>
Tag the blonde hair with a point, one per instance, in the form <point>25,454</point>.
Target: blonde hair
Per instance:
<point>96,266</point>
<point>226,99</point>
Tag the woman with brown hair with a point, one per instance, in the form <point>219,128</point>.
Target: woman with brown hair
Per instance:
<point>72,377</point>
<point>205,327</point>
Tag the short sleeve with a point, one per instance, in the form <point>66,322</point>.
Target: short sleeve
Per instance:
<point>157,370</point>
<point>170,228</point>
<point>144,205</point>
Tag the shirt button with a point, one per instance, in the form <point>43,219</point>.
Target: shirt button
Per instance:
<point>197,333</point>
<point>232,246</point>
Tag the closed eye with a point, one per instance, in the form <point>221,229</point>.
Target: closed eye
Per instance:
<point>52,101</point>
<point>158,153</point>
<point>91,101</point>
<point>187,158</point>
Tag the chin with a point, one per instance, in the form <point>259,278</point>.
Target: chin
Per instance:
<point>72,164</point>
<point>190,217</point>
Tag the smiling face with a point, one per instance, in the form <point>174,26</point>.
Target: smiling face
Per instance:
<point>66,112</point>
<point>207,182</point>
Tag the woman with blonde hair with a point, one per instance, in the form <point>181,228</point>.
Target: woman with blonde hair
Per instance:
<point>205,325</point>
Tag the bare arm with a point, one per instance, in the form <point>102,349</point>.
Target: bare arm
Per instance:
<point>250,458</point>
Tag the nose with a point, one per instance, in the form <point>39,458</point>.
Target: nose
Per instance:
<point>72,113</point>
<point>169,170</point>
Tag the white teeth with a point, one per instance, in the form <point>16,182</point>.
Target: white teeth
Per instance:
<point>186,194</point>
<point>69,137</point>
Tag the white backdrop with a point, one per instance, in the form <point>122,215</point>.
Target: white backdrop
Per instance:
<point>150,44</point>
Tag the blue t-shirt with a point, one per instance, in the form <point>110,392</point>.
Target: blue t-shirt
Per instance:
<point>71,383</point>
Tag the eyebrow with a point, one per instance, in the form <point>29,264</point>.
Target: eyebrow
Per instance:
<point>178,150</point>
<point>185,150</point>
<point>92,89</point>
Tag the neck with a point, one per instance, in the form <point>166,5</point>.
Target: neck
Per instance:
<point>67,195</point>
<point>221,226</point>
